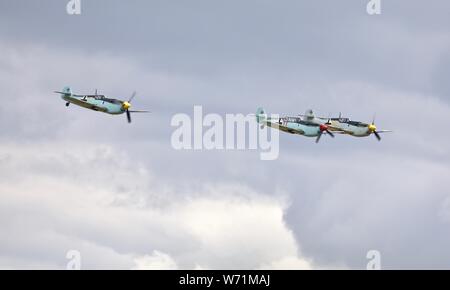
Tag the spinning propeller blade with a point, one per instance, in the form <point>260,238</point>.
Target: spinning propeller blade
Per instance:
<point>128,116</point>
<point>373,129</point>
<point>323,128</point>
<point>132,97</point>
<point>127,106</point>
<point>377,135</point>
<point>318,137</point>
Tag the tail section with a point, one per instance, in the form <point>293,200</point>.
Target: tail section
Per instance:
<point>66,91</point>
<point>260,115</point>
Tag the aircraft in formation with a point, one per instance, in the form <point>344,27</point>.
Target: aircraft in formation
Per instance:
<point>307,125</point>
<point>99,103</point>
<point>311,126</point>
<point>294,125</point>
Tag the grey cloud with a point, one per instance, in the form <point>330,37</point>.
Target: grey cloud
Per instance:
<point>84,207</point>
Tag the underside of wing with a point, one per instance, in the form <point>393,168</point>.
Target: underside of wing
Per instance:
<point>101,109</point>
<point>338,130</point>
<point>290,130</point>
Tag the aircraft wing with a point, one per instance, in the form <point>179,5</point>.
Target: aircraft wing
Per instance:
<point>80,96</point>
<point>337,130</point>
<point>73,95</point>
<point>290,130</point>
<point>87,96</point>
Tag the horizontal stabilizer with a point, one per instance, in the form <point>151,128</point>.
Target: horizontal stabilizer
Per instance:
<point>65,91</point>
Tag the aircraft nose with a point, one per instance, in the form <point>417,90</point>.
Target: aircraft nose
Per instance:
<point>126,105</point>
<point>372,128</point>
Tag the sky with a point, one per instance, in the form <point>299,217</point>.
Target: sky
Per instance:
<point>124,198</point>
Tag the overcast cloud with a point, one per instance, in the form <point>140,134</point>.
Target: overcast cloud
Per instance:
<point>118,193</point>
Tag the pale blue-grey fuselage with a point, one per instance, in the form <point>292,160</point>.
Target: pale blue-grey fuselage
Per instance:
<point>294,125</point>
<point>97,103</point>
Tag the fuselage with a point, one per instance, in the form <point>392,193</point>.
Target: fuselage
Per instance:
<point>346,126</point>
<point>97,103</point>
<point>354,128</point>
<point>294,125</point>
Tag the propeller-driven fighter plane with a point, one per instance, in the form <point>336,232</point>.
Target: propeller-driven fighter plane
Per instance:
<point>294,125</point>
<point>99,103</point>
<point>342,125</point>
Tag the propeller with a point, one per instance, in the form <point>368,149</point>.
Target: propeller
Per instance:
<point>373,129</point>
<point>323,128</point>
<point>128,116</point>
<point>318,137</point>
<point>132,97</point>
<point>127,105</point>
<point>377,135</point>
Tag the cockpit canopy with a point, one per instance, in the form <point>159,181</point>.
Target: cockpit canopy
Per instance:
<point>357,124</point>
<point>298,120</point>
<point>341,120</point>
<point>105,99</point>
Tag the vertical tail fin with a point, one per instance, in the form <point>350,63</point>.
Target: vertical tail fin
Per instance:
<point>260,115</point>
<point>309,114</point>
<point>67,91</point>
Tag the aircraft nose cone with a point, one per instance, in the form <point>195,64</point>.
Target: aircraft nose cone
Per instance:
<point>323,127</point>
<point>372,128</point>
<point>126,105</point>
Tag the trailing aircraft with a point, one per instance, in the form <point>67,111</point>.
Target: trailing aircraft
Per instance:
<point>99,103</point>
